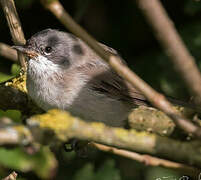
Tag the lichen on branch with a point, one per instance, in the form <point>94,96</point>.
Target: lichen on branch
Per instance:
<point>62,126</point>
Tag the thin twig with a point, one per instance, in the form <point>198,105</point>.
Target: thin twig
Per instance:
<point>14,26</point>
<point>173,45</point>
<point>154,97</point>
<point>7,52</point>
<point>148,160</point>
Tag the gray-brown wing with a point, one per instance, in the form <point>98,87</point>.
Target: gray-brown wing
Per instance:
<point>113,86</point>
<point>108,82</point>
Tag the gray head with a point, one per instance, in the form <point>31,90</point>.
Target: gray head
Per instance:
<point>56,46</point>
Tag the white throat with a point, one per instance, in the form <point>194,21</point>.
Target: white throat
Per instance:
<point>41,66</point>
<point>41,82</point>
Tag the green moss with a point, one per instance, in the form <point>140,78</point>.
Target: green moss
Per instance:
<point>18,83</point>
<point>98,126</point>
<point>55,120</point>
<point>121,134</point>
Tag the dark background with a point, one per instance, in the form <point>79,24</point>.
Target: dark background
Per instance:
<point>119,24</point>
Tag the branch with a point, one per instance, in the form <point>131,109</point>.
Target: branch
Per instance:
<point>65,126</point>
<point>13,95</point>
<point>14,26</point>
<point>157,99</point>
<point>61,126</point>
<point>170,40</point>
<point>12,98</point>
<point>7,52</point>
<point>36,132</point>
<point>148,160</point>
<point>151,120</point>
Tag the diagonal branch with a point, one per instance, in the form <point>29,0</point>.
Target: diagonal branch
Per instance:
<point>170,40</point>
<point>153,96</point>
<point>14,26</point>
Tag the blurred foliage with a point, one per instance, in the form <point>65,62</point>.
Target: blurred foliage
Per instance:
<point>107,172</point>
<point>191,7</point>
<point>42,163</point>
<point>120,25</point>
<point>157,173</point>
<point>12,114</point>
<point>24,3</point>
<point>15,70</point>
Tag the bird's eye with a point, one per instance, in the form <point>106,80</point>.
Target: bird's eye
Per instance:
<point>48,50</point>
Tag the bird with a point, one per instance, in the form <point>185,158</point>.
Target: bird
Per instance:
<point>64,72</point>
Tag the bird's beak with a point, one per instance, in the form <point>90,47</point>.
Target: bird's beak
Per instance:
<point>27,51</point>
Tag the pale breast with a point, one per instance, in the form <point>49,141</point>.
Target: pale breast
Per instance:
<point>42,84</point>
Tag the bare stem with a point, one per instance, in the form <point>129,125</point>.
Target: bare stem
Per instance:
<point>148,160</point>
<point>14,26</point>
<point>173,45</point>
<point>157,99</point>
